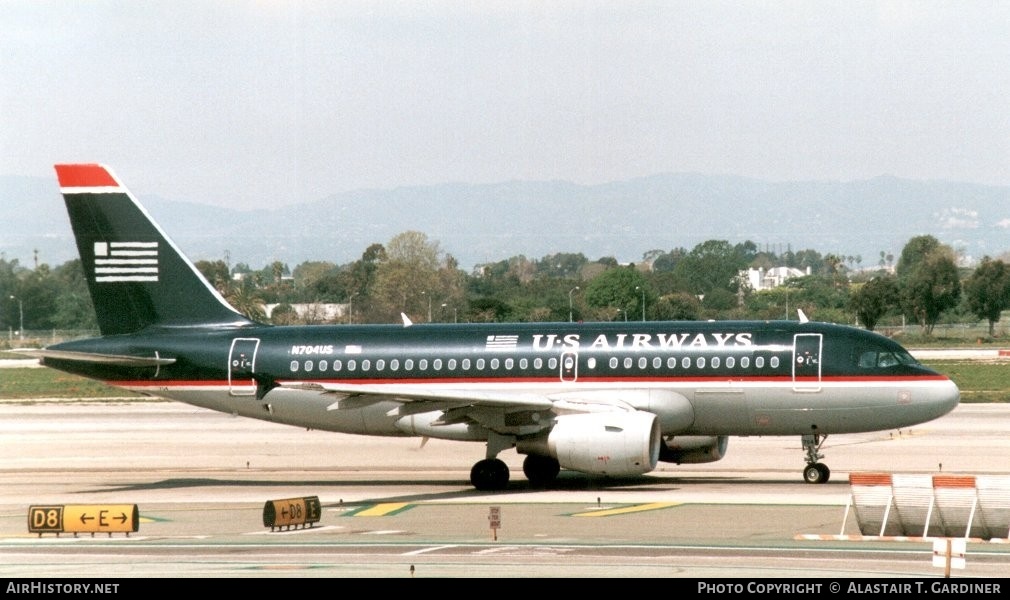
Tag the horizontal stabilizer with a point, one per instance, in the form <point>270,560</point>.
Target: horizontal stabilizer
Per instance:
<point>94,357</point>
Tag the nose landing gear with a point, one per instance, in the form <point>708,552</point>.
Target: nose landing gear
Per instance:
<point>815,472</point>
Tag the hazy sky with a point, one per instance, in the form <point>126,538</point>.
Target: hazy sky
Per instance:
<point>273,102</point>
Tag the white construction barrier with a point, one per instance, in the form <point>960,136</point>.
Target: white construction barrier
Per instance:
<point>930,506</point>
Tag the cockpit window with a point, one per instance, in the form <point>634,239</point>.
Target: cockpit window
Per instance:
<point>873,359</point>
<point>886,359</point>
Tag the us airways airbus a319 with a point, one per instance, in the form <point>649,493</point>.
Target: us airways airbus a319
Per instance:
<point>609,399</point>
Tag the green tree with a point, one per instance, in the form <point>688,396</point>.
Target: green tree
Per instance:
<point>307,276</point>
<point>928,279</point>
<point>987,291</point>
<point>562,265</point>
<point>216,272</point>
<point>618,288</point>
<point>407,280</point>
<point>666,263</point>
<point>873,299</point>
<point>712,265</point>
<point>74,309</point>
<point>679,306</point>
<point>244,296</point>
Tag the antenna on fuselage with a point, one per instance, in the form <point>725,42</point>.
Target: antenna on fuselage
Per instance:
<point>406,320</point>
<point>802,315</point>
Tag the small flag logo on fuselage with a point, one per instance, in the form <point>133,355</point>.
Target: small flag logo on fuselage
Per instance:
<point>126,261</point>
<point>501,342</point>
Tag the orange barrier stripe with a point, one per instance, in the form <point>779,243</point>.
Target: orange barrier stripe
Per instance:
<point>870,478</point>
<point>954,481</point>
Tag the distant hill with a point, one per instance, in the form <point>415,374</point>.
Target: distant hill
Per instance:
<point>488,223</point>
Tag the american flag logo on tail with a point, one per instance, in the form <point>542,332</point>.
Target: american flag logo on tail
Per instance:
<point>126,261</point>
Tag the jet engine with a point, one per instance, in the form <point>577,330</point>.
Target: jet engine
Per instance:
<point>604,443</point>
<point>693,449</point>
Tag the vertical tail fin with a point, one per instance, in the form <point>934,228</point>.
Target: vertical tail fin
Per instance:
<point>136,275</point>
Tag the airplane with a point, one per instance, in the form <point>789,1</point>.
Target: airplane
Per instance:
<point>606,399</point>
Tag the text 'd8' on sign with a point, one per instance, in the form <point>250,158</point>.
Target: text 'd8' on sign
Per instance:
<point>291,512</point>
<point>84,518</point>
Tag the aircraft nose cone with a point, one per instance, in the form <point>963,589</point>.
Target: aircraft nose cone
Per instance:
<point>946,397</point>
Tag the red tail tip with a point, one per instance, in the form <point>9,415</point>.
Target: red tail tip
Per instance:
<point>87,175</point>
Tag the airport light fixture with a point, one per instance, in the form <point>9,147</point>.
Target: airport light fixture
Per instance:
<point>570,302</point>
<point>20,317</point>
<point>350,310</point>
<point>638,287</point>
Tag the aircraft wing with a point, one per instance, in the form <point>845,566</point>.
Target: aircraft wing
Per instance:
<point>419,393</point>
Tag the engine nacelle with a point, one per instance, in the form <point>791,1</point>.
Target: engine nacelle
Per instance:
<point>604,443</point>
<point>693,449</point>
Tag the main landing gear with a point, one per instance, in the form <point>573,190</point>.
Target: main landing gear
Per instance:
<point>492,474</point>
<point>815,472</point>
<point>541,470</point>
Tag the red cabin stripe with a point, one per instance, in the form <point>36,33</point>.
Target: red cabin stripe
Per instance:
<point>72,176</point>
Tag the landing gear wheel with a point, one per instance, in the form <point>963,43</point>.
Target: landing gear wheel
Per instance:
<point>541,470</point>
<point>489,475</point>
<point>816,473</point>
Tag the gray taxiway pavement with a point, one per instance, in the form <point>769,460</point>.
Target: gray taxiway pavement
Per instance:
<point>200,480</point>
